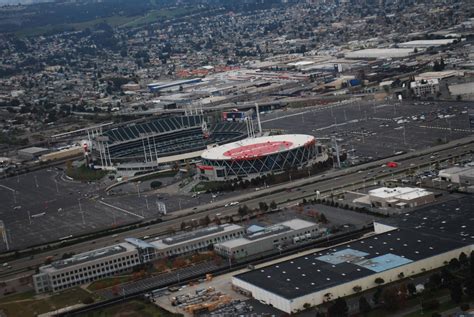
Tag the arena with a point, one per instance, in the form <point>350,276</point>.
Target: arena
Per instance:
<point>254,157</point>
<point>145,144</point>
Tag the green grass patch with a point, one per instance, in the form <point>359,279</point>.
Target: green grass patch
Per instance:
<point>108,282</point>
<point>205,186</point>
<point>157,15</point>
<point>155,184</point>
<point>84,173</point>
<point>19,296</point>
<point>114,21</point>
<point>29,306</point>
<point>133,308</point>
<point>156,175</point>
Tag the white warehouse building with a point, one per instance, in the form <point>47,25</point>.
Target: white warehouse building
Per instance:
<point>340,271</point>
<point>400,197</point>
<point>269,238</point>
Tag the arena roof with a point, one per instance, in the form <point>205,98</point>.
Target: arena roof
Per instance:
<point>257,147</point>
<point>334,266</point>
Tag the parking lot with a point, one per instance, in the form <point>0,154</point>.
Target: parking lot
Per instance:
<point>377,129</point>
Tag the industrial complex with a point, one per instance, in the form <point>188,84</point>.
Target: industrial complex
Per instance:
<point>401,247</point>
<point>390,255</point>
<point>89,266</point>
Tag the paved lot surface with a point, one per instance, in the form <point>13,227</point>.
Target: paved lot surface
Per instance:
<point>45,205</point>
<point>371,128</point>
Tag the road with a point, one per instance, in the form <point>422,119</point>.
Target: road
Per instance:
<point>283,194</point>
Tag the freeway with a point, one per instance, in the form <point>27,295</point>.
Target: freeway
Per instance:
<point>349,178</point>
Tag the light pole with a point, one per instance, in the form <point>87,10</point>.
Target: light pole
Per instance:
<point>83,220</point>
<point>81,211</point>
<point>404,137</point>
<point>146,201</point>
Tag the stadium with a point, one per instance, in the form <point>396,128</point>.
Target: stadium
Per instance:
<point>254,157</point>
<point>142,146</point>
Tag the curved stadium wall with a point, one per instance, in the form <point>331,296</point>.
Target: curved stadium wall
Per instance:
<point>251,158</point>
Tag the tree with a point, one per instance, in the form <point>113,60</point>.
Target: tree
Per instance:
<point>364,305</point>
<point>392,298</point>
<point>469,287</point>
<point>463,260</point>
<point>377,294</point>
<point>183,226</point>
<point>263,206</point>
<point>206,221</point>
<point>446,276</point>
<point>379,281</point>
<point>454,264</point>
<point>339,308</point>
<point>323,219</point>
<point>273,205</point>
<point>456,292</point>
<point>434,281</point>
<point>155,184</point>
<point>411,289</point>
<point>471,263</point>
<point>357,288</point>
<point>243,211</point>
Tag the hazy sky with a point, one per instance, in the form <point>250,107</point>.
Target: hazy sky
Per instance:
<point>2,2</point>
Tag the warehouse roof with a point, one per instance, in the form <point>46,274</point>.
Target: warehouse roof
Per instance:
<point>405,193</point>
<point>451,219</point>
<point>320,270</point>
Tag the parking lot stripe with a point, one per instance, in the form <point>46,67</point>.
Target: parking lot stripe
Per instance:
<point>121,209</point>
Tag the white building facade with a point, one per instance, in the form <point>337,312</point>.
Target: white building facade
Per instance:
<point>86,267</point>
<point>269,238</point>
<point>197,240</point>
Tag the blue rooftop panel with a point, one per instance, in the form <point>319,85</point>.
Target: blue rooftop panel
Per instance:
<point>342,256</point>
<point>384,262</point>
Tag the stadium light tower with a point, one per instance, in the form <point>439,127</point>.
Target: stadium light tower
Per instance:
<point>334,142</point>
<point>258,120</point>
